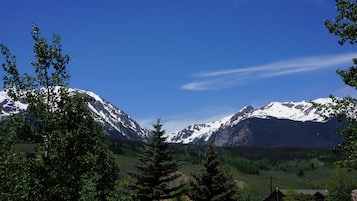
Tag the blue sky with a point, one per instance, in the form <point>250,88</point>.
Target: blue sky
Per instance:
<point>187,61</point>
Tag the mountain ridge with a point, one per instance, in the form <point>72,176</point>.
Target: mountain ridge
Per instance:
<point>241,128</point>
<point>275,124</point>
<point>116,123</point>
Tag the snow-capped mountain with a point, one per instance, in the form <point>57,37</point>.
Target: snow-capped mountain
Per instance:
<point>290,120</point>
<point>276,124</point>
<point>9,106</point>
<point>296,111</point>
<point>116,123</point>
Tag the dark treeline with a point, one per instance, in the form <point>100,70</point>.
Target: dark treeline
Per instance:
<point>192,152</point>
<point>249,160</point>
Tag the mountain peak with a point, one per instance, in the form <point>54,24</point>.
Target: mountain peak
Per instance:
<point>297,111</point>
<point>116,123</point>
<point>302,111</point>
<point>246,109</point>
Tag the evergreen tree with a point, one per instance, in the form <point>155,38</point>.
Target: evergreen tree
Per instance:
<point>213,184</point>
<point>345,26</point>
<point>156,176</point>
<point>74,162</point>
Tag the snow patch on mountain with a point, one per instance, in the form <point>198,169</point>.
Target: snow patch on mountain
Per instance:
<point>197,132</point>
<point>8,106</point>
<point>297,111</point>
<point>112,117</point>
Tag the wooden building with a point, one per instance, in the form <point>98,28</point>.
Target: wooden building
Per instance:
<point>298,194</point>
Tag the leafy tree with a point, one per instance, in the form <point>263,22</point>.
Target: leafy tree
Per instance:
<point>13,175</point>
<point>74,162</point>
<point>156,177</point>
<point>213,184</point>
<point>290,195</point>
<point>340,186</point>
<point>344,25</point>
<point>300,173</point>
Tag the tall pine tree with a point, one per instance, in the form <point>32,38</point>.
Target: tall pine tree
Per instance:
<point>213,184</point>
<point>156,177</point>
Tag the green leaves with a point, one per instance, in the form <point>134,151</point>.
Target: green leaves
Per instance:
<point>13,171</point>
<point>345,26</point>
<point>340,186</point>
<point>50,66</point>
<point>74,162</point>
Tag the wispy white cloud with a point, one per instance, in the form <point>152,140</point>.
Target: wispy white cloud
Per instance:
<point>233,77</point>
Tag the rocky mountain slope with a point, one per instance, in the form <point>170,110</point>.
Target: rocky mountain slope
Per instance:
<point>295,124</point>
<point>116,123</point>
<point>277,124</point>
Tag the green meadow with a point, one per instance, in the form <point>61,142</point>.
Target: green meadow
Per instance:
<point>285,168</point>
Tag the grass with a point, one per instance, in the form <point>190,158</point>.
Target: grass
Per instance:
<point>259,185</point>
<point>127,163</point>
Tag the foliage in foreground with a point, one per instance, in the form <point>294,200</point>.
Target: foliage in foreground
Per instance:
<point>13,175</point>
<point>345,26</point>
<point>340,186</point>
<point>72,161</point>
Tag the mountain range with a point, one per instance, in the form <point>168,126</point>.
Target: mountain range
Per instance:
<point>116,123</point>
<point>292,124</point>
<point>278,124</point>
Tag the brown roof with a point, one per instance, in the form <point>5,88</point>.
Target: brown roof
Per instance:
<point>323,192</point>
